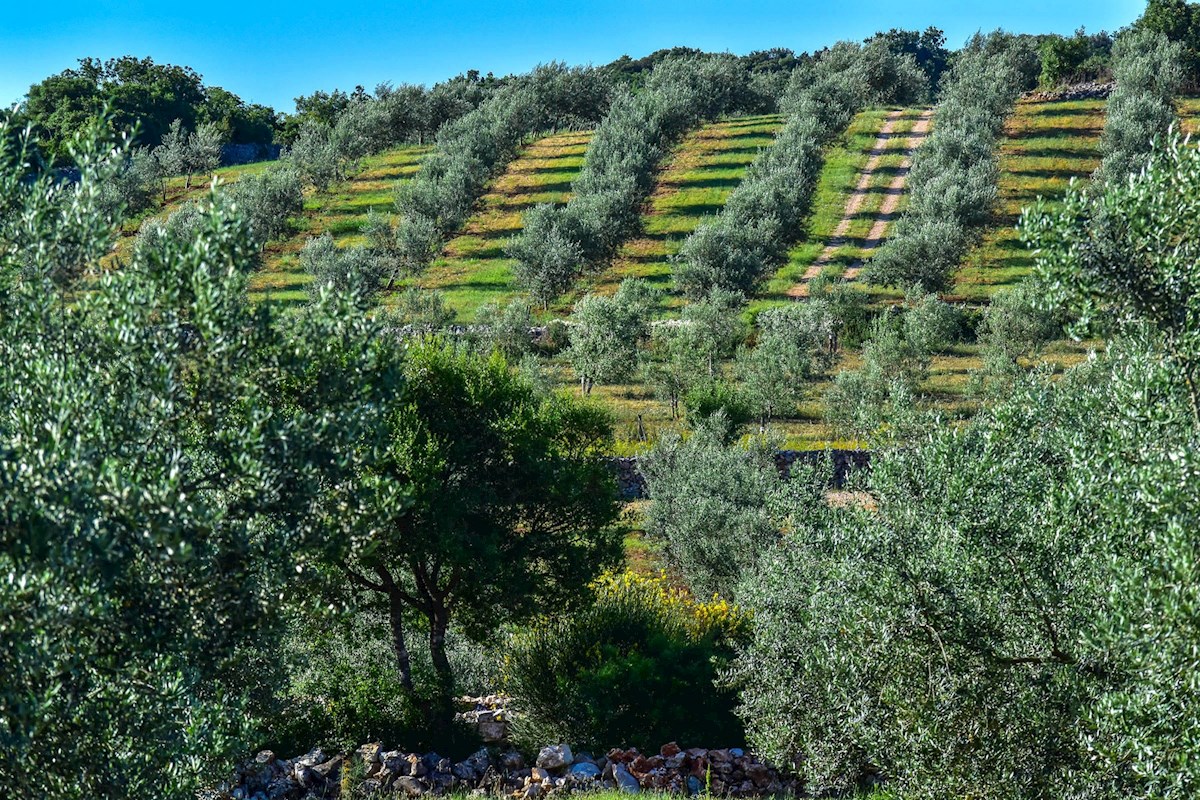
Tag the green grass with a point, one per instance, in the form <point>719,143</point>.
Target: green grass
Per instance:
<point>693,185</point>
<point>1045,145</point>
<point>473,269</point>
<point>844,163</point>
<point>341,212</point>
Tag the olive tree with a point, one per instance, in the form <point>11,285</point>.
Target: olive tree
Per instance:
<point>488,504</point>
<point>606,333</point>
<point>163,446</point>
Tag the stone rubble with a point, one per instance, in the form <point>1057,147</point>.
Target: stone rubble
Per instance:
<point>558,771</point>
<point>1080,91</point>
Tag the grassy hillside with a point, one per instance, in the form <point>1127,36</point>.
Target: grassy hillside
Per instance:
<point>340,212</point>
<point>843,166</point>
<point>1045,145</point>
<point>473,269</point>
<point>693,184</point>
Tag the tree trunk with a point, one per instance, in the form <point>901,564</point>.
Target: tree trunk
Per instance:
<point>399,645</point>
<point>440,711</point>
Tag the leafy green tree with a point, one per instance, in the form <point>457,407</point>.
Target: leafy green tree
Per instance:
<point>1179,21</point>
<point>488,504</point>
<point>140,95</point>
<point>792,340</point>
<point>164,443</point>
<point>606,332</point>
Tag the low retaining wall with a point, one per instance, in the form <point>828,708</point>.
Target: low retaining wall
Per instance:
<point>631,484</point>
<point>1080,91</point>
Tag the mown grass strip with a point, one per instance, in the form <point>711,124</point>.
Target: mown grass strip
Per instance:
<point>1045,145</point>
<point>692,185</point>
<point>473,269</point>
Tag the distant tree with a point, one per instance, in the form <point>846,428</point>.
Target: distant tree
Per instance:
<point>1179,21</point>
<point>1077,58</point>
<point>315,156</point>
<point>203,151</point>
<point>268,201</point>
<point>606,332</point>
<point>671,365</point>
<point>791,340</point>
<point>928,49</point>
<point>347,270</point>
<point>141,95</point>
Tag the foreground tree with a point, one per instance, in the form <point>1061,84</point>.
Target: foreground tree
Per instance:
<point>488,505</point>
<point>161,445</point>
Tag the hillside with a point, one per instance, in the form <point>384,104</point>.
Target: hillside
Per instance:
<point>473,269</point>
<point>341,212</point>
<point>1045,146</point>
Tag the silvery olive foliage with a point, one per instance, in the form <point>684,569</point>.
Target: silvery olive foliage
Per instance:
<point>749,238</point>
<point>473,148</point>
<point>558,243</point>
<point>163,443</point>
<point>606,332</point>
<point>952,186</point>
<point>1014,613</point>
<point>876,400</point>
<point>1148,72</point>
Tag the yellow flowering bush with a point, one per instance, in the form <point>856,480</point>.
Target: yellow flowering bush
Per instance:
<point>639,667</point>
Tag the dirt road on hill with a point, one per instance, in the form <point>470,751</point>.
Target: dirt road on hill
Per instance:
<point>858,197</point>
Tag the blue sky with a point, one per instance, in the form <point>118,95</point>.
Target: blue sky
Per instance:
<point>271,53</point>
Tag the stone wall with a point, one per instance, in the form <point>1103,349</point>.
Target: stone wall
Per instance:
<point>232,154</point>
<point>557,771</point>
<point>631,484</point>
<point>1080,91</point>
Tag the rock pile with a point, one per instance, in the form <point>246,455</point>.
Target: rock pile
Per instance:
<point>1079,91</point>
<point>489,716</point>
<point>557,771</point>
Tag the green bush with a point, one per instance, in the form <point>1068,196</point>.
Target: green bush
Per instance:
<point>344,689</point>
<point>638,668</point>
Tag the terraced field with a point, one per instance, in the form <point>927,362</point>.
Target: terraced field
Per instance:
<point>1045,145</point>
<point>341,212</point>
<point>693,184</point>
<point>473,269</point>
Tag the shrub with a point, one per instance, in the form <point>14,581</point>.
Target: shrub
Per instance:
<point>790,340</point>
<point>636,668</point>
<point>343,269</point>
<point>314,154</point>
<point>712,505</point>
<point>268,201</point>
<point>606,332</point>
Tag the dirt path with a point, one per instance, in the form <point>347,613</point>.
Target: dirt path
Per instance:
<point>858,197</point>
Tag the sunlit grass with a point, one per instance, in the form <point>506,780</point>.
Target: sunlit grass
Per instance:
<point>1046,144</point>
<point>474,269</point>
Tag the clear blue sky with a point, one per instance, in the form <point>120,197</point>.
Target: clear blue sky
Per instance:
<point>269,53</point>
